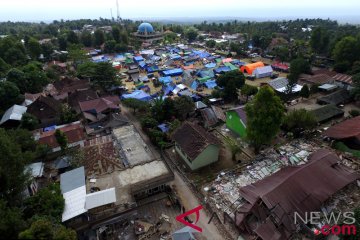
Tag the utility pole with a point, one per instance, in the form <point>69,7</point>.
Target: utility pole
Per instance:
<point>117,11</point>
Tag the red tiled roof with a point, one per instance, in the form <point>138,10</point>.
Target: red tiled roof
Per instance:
<point>100,104</point>
<point>344,78</point>
<point>346,129</point>
<point>193,139</point>
<point>73,132</point>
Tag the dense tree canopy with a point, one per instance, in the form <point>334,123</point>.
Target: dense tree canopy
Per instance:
<point>299,120</point>
<point>264,117</point>
<point>231,82</point>
<point>347,51</point>
<point>101,75</point>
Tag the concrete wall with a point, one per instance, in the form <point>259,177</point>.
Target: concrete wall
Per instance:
<point>208,156</point>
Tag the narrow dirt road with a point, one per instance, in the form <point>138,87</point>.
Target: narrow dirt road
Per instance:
<point>188,199</point>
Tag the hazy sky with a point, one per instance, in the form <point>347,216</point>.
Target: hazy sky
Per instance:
<point>45,10</point>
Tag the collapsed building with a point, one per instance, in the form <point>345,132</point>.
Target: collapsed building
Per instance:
<point>268,206</point>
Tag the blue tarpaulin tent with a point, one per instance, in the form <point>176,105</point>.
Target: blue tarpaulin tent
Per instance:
<point>142,64</point>
<point>194,85</point>
<point>165,80</point>
<point>205,73</point>
<point>144,78</point>
<point>173,72</point>
<point>168,88</point>
<point>137,94</point>
<point>221,70</point>
<point>152,69</point>
<point>138,58</point>
<point>210,84</point>
<point>175,57</point>
<point>163,127</point>
<point>210,65</point>
<point>201,54</point>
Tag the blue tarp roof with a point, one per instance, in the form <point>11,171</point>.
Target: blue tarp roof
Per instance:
<point>163,127</point>
<point>210,65</point>
<point>221,69</point>
<point>53,127</point>
<point>168,88</point>
<point>194,85</point>
<point>205,73</point>
<point>138,58</point>
<point>201,54</point>
<point>175,57</point>
<point>137,94</point>
<point>151,69</point>
<point>173,72</point>
<point>144,78</point>
<point>210,84</point>
<point>155,58</point>
<point>165,80</point>
<point>142,64</point>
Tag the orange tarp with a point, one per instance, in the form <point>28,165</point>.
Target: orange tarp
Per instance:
<point>249,68</point>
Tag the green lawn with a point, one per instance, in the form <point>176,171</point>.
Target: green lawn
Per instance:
<point>233,123</point>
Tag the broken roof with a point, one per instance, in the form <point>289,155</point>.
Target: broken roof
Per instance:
<point>298,188</point>
<point>346,129</point>
<point>209,117</point>
<point>336,98</point>
<point>327,112</point>
<point>193,139</point>
<point>100,104</point>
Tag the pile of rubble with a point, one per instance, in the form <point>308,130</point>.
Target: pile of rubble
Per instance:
<point>223,193</point>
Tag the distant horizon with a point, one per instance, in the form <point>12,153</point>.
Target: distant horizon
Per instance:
<point>49,10</point>
<point>354,20</point>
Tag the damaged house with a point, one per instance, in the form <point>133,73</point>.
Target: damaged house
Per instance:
<point>268,206</point>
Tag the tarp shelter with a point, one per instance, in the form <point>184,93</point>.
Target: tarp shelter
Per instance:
<point>189,67</point>
<point>210,65</point>
<point>144,78</point>
<point>327,87</point>
<point>137,94</point>
<point>163,127</point>
<point>138,58</point>
<point>206,73</point>
<point>167,89</point>
<point>165,80</point>
<point>201,54</point>
<point>173,72</point>
<point>220,70</point>
<point>280,67</point>
<point>185,92</point>
<point>120,58</point>
<point>249,68</point>
<point>210,84</point>
<point>237,62</point>
<point>178,88</point>
<point>194,85</point>
<point>232,67</point>
<point>100,58</point>
<point>142,64</point>
<point>175,57</point>
<point>204,79</point>
<point>227,60</point>
<point>263,72</point>
<point>280,85</point>
<point>147,52</point>
<point>151,69</point>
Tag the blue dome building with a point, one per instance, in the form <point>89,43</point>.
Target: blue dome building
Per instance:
<point>147,34</point>
<point>145,28</point>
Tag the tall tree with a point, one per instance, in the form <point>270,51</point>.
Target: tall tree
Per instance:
<point>99,37</point>
<point>72,37</point>
<point>347,51</point>
<point>9,95</point>
<point>13,178</point>
<point>86,38</point>
<point>116,33</point>
<point>4,68</point>
<point>183,105</point>
<point>61,139</point>
<point>34,48</point>
<point>264,117</point>
<point>356,84</point>
<point>297,67</point>
<point>319,40</point>
<point>231,82</point>
<point>102,75</point>
<point>191,34</point>
<point>11,221</point>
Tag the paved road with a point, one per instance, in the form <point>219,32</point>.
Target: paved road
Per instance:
<point>188,199</point>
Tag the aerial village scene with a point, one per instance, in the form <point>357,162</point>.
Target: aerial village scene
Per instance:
<point>115,128</point>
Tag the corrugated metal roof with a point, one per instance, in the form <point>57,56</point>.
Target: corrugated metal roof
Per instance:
<point>13,113</point>
<point>74,202</point>
<point>36,169</point>
<point>72,179</point>
<point>100,198</point>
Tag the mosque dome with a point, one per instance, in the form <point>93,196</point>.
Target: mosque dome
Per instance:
<point>145,27</point>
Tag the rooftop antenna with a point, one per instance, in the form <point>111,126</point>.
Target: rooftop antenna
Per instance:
<point>117,10</point>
